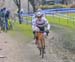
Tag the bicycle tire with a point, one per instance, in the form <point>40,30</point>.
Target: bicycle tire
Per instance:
<point>42,53</point>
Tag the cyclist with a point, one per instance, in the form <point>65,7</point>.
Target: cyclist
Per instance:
<point>40,24</point>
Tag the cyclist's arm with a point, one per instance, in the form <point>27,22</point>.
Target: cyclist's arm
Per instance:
<point>47,24</point>
<point>48,27</point>
<point>33,24</point>
<point>46,21</point>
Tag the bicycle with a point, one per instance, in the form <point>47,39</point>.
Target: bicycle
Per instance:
<point>41,43</point>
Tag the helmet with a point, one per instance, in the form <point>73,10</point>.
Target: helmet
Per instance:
<point>38,10</point>
<point>39,14</point>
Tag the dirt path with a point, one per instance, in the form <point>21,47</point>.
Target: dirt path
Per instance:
<point>13,51</point>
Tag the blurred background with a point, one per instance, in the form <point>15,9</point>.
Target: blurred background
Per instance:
<point>32,5</point>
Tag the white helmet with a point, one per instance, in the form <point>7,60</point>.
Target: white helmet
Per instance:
<point>38,10</point>
<point>39,14</point>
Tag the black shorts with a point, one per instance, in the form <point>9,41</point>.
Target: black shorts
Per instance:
<point>42,29</point>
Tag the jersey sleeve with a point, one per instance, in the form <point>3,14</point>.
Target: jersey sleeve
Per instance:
<point>46,21</point>
<point>47,24</point>
<point>33,24</point>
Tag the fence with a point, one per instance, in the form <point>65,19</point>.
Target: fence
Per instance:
<point>63,16</point>
<point>59,10</point>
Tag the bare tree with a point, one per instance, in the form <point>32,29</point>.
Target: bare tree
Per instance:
<point>2,2</point>
<point>18,4</point>
<point>33,4</point>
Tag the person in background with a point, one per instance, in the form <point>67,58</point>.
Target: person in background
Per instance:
<point>7,14</point>
<point>2,18</point>
<point>22,15</point>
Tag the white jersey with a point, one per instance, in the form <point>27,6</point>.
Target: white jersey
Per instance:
<point>42,23</point>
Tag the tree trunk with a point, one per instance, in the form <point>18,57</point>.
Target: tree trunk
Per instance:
<point>19,10</point>
<point>33,4</point>
<point>18,4</point>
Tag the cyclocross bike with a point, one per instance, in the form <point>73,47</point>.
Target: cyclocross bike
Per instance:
<point>41,43</point>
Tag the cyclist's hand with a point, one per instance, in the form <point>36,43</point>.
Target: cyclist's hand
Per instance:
<point>47,31</point>
<point>36,29</point>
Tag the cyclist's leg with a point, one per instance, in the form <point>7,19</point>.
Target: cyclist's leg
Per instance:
<point>43,34</point>
<point>41,37</point>
<point>36,42</point>
<point>39,40</point>
<point>43,43</point>
<point>39,46</point>
<point>35,37</point>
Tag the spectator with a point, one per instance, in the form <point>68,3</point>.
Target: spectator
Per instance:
<point>7,14</point>
<point>2,20</point>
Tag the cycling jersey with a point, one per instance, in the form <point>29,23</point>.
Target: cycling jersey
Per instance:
<point>40,24</point>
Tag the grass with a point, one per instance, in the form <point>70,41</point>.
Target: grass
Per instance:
<point>28,18</point>
<point>71,14</point>
<point>22,32</point>
<point>23,28</point>
<point>61,21</point>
